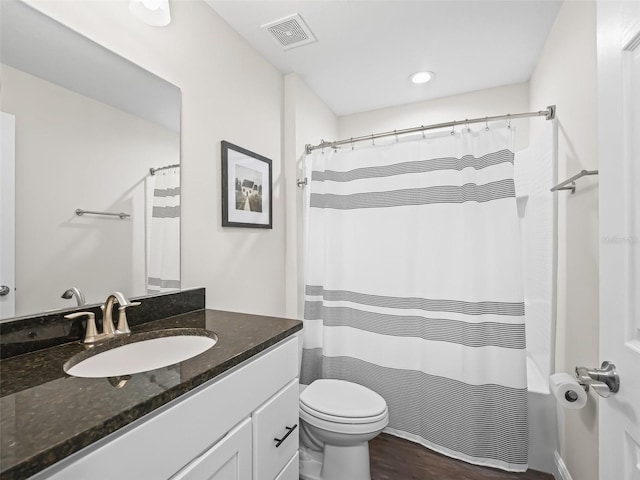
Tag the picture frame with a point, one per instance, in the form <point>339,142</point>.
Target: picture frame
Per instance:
<point>246,188</point>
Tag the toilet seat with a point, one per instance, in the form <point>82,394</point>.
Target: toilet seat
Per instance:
<point>338,401</point>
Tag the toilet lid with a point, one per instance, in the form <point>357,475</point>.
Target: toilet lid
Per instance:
<point>341,399</point>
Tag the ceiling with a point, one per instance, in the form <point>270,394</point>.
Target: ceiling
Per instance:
<point>36,44</point>
<point>367,49</point>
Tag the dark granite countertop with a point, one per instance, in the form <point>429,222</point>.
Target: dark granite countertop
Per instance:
<point>46,415</point>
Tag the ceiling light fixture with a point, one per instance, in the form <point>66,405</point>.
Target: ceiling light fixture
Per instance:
<point>422,77</point>
<point>151,12</point>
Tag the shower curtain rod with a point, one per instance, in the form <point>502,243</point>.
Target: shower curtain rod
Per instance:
<point>153,171</point>
<point>549,114</point>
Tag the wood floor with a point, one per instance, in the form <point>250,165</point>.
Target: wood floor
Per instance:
<point>394,458</point>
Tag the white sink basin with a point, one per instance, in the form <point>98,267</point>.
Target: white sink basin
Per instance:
<point>140,353</point>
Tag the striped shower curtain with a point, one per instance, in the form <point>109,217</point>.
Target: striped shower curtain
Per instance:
<point>414,288</point>
<point>163,231</point>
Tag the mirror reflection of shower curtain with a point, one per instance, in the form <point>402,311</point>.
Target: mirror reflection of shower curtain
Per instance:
<point>163,231</point>
<point>413,288</point>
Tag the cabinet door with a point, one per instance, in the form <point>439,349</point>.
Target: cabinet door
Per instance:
<point>291,471</point>
<point>275,432</point>
<point>229,459</point>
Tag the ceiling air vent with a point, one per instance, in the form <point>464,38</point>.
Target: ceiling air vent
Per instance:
<point>290,32</point>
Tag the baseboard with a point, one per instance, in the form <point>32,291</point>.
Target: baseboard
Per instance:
<point>561,468</point>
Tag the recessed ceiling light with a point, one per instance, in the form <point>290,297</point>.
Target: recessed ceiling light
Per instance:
<point>421,77</point>
<point>151,12</point>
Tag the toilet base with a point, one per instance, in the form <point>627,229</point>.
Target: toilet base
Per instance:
<point>336,463</point>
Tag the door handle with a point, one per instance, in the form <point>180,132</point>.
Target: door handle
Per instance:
<point>4,290</point>
<point>604,380</point>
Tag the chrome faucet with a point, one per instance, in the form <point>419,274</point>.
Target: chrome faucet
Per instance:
<point>74,292</point>
<point>91,335</point>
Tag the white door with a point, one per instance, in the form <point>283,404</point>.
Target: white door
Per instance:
<point>7,215</point>
<point>618,26</point>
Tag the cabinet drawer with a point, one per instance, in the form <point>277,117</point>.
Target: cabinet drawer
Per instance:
<point>292,470</point>
<point>274,420</point>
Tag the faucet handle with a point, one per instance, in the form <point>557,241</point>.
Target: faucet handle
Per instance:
<point>91,333</point>
<point>123,325</point>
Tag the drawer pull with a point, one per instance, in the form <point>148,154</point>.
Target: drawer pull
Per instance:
<point>289,430</point>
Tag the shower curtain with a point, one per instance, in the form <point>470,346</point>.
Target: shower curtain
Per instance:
<point>413,288</point>
<point>163,231</point>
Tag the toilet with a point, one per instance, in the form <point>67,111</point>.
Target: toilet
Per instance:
<point>337,420</point>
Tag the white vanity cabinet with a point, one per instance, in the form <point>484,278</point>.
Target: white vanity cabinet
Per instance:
<point>225,429</point>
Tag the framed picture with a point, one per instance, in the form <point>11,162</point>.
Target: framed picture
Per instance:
<point>246,188</point>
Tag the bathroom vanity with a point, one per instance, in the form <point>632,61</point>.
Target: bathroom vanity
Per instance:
<point>228,413</point>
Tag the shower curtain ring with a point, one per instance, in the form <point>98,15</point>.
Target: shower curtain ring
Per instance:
<point>423,135</point>
<point>373,141</point>
<point>466,122</point>
<point>486,123</point>
<point>453,128</point>
<point>351,143</point>
<point>509,121</point>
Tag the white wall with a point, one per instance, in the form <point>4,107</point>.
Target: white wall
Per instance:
<point>98,157</point>
<point>307,120</point>
<point>229,92</point>
<point>481,103</point>
<point>566,76</point>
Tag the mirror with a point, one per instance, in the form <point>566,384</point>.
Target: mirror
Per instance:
<point>88,127</point>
